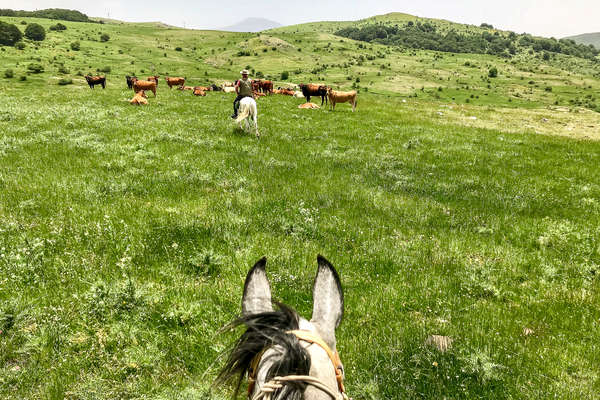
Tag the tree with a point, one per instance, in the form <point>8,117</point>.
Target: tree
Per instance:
<point>35,32</point>
<point>9,34</point>
<point>493,73</point>
<point>58,27</point>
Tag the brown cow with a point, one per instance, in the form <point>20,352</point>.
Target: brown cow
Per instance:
<point>139,98</point>
<point>185,88</point>
<point>153,79</point>
<point>175,81</point>
<point>96,80</point>
<point>266,86</point>
<point>144,85</point>
<point>314,90</point>
<point>198,91</point>
<point>341,97</point>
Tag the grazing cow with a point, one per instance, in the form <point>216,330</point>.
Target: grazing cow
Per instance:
<point>248,112</point>
<point>185,88</point>
<point>204,88</point>
<point>144,85</point>
<point>266,86</point>
<point>286,92</point>
<point>256,85</point>
<point>139,98</point>
<point>314,90</point>
<point>153,79</point>
<point>309,105</point>
<point>130,80</point>
<point>198,91</point>
<point>175,81</point>
<point>96,80</point>
<point>341,97</point>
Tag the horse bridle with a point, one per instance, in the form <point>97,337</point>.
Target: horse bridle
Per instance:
<point>277,382</point>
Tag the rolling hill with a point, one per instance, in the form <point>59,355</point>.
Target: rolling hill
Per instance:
<point>587,38</point>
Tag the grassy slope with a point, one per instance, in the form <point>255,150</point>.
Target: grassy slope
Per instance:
<point>126,232</point>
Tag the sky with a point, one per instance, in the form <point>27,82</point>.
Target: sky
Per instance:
<point>550,18</point>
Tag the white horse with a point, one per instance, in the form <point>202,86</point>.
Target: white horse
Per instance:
<point>284,355</point>
<point>248,112</point>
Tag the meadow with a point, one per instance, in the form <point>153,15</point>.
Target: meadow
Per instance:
<point>126,232</point>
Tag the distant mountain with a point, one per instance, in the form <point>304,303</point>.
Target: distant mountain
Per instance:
<point>252,25</point>
<point>587,38</point>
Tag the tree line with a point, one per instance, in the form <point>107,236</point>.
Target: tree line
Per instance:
<point>50,13</point>
<point>426,36</point>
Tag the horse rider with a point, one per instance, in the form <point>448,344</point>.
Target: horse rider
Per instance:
<point>243,88</point>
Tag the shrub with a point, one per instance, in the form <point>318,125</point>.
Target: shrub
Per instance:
<point>9,34</point>
<point>65,81</point>
<point>20,45</point>
<point>493,72</point>
<point>104,37</point>
<point>35,68</point>
<point>58,27</point>
<point>75,46</point>
<point>9,73</point>
<point>63,70</point>
<point>23,22</point>
<point>285,75</point>
<point>22,78</point>
<point>548,88</point>
<point>35,32</point>
<point>105,69</point>
<point>178,49</point>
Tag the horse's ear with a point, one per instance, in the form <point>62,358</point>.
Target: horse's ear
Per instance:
<point>257,292</point>
<point>328,300</point>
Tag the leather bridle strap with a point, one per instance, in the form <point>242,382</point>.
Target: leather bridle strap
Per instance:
<point>312,337</point>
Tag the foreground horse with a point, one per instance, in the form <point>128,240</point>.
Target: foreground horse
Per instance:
<point>285,356</point>
<point>248,112</point>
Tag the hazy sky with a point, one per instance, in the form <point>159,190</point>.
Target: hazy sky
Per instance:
<point>556,18</point>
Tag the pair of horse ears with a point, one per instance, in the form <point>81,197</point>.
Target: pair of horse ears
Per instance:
<point>328,298</point>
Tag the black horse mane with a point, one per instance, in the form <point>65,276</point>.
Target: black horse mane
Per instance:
<point>264,330</point>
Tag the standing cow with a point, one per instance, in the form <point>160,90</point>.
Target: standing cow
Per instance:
<point>96,80</point>
<point>314,90</point>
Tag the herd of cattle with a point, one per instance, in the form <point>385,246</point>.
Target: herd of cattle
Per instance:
<point>260,88</point>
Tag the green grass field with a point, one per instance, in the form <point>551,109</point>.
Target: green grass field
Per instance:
<point>126,232</point>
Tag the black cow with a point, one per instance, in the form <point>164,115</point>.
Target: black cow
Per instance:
<point>130,80</point>
<point>314,90</point>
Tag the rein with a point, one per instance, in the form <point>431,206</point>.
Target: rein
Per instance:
<point>278,381</point>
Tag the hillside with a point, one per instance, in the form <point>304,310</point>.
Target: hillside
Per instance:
<point>587,38</point>
<point>452,202</point>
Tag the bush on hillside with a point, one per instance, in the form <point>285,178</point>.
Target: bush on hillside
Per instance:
<point>178,49</point>
<point>35,32</point>
<point>51,13</point>
<point>20,45</point>
<point>35,68</point>
<point>493,72</point>
<point>9,74</point>
<point>65,81</point>
<point>105,70</point>
<point>104,37</point>
<point>23,22</point>
<point>285,75</point>
<point>63,70</point>
<point>22,78</point>
<point>75,46</point>
<point>58,27</point>
<point>9,34</point>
